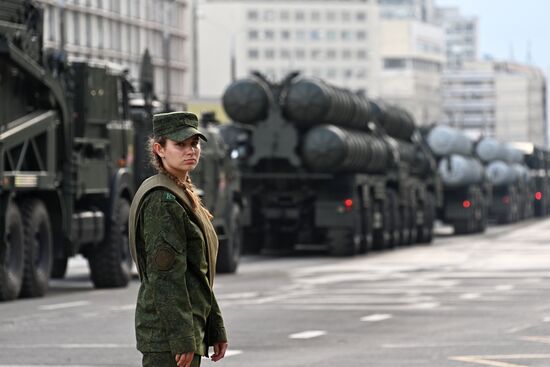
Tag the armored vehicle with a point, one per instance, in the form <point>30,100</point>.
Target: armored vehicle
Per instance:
<point>65,141</point>
<point>537,161</point>
<point>466,190</point>
<point>326,168</point>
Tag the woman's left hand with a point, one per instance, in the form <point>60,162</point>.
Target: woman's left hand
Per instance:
<point>219,351</point>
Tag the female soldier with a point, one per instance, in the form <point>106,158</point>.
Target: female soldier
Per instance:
<point>174,246</point>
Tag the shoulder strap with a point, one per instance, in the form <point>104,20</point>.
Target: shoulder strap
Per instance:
<point>163,181</point>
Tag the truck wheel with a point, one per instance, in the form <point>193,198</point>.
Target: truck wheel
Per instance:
<point>382,236</point>
<point>425,234</point>
<point>341,242</point>
<point>59,268</point>
<point>230,254</point>
<point>12,255</point>
<point>111,262</point>
<point>38,249</point>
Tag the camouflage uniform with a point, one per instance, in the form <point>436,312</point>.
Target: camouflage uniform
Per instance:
<point>174,248</point>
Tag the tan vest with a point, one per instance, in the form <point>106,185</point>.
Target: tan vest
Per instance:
<point>200,217</point>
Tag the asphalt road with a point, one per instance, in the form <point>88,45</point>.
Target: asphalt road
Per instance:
<point>463,301</point>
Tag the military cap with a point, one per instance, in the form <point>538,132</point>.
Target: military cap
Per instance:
<point>176,126</point>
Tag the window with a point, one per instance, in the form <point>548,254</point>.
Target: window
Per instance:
<point>346,16</point>
<point>252,34</point>
<point>315,54</point>
<point>269,35</point>
<point>300,35</point>
<point>269,15</point>
<point>361,54</point>
<point>345,35</point>
<point>394,63</point>
<point>346,54</point>
<point>361,35</point>
<point>331,16</point>
<point>252,53</point>
<point>285,35</point>
<point>285,54</point>
<point>88,30</point>
<point>51,23</point>
<point>331,54</point>
<point>252,15</point>
<point>300,15</point>
<point>331,35</point>
<point>76,31</point>
<point>361,16</point>
<point>100,32</point>
<point>300,53</point>
<point>314,35</point>
<point>315,16</point>
<point>269,53</point>
<point>284,15</point>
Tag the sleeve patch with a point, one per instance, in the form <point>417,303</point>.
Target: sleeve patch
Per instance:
<point>164,258</point>
<point>168,197</point>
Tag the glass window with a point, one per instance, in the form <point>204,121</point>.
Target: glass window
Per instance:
<point>88,30</point>
<point>269,15</point>
<point>331,16</point>
<point>76,30</point>
<point>394,63</point>
<point>331,35</point>
<point>361,54</point>
<point>269,53</point>
<point>300,15</point>
<point>316,54</point>
<point>300,53</point>
<point>252,34</point>
<point>253,53</point>
<point>314,35</point>
<point>361,35</point>
<point>285,35</point>
<point>315,16</point>
<point>269,34</point>
<point>346,16</point>
<point>51,23</point>
<point>361,16</point>
<point>300,35</point>
<point>331,54</point>
<point>346,54</point>
<point>284,15</point>
<point>252,15</point>
<point>345,35</point>
<point>285,54</point>
<point>100,32</point>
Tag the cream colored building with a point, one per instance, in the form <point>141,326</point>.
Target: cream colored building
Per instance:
<point>501,99</point>
<point>119,31</point>
<point>412,54</point>
<point>336,40</point>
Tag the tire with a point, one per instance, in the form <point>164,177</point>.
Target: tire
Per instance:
<point>382,236</point>
<point>59,268</point>
<point>12,254</point>
<point>229,255</point>
<point>38,249</point>
<point>341,242</point>
<point>111,262</point>
<point>425,234</point>
<point>397,223</point>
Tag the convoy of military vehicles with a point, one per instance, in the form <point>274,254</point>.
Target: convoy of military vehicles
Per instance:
<point>303,165</point>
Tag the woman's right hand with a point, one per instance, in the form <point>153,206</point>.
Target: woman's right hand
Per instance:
<point>184,359</point>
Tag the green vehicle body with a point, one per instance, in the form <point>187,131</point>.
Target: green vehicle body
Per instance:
<point>66,147</point>
<point>294,200</point>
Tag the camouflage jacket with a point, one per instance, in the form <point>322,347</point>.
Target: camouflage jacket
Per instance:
<point>172,246</point>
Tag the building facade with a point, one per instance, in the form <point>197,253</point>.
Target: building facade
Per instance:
<point>412,59</point>
<point>420,10</point>
<point>335,40</point>
<point>500,99</point>
<point>461,36</point>
<point>119,31</point>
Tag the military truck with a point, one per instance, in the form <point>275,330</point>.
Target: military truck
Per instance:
<point>466,189</point>
<point>537,160</point>
<point>510,178</point>
<point>65,144</point>
<point>325,168</point>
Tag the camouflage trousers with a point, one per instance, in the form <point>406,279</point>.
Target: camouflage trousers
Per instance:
<point>165,359</point>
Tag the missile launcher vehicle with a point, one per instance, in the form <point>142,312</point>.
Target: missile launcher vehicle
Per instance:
<point>327,169</point>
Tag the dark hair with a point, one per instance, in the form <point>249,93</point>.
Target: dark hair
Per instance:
<point>156,162</point>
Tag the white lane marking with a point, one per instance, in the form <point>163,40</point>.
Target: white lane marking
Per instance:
<point>124,308</point>
<point>307,334</point>
<point>59,306</point>
<point>504,287</point>
<point>499,360</point>
<point>470,296</point>
<point>376,317</point>
<point>68,346</point>
<point>242,295</point>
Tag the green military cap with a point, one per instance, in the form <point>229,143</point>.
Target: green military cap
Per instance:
<point>176,126</point>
